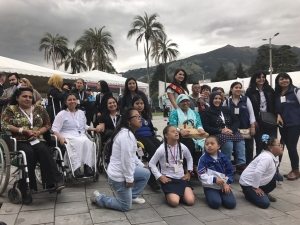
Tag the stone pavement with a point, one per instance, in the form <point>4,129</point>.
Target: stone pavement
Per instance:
<point>72,206</point>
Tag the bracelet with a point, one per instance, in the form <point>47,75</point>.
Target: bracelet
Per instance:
<point>21,130</point>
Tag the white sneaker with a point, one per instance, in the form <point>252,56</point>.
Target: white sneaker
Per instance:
<point>138,200</point>
<point>96,195</point>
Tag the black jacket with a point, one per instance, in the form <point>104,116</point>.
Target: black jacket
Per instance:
<point>102,102</point>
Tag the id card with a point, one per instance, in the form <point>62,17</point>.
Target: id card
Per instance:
<point>237,111</point>
<point>34,142</point>
<point>282,99</point>
<point>177,167</point>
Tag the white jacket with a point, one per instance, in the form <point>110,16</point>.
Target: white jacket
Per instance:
<point>123,158</point>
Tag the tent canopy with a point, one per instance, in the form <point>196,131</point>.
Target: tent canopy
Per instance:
<point>15,66</point>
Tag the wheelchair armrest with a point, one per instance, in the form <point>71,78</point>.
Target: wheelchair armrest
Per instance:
<point>15,143</point>
<point>55,139</point>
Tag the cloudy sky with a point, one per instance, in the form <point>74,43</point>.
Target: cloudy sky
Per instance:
<point>197,26</point>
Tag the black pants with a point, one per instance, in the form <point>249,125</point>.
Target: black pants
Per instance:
<point>259,132</point>
<point>249,150</point>
<point>290,136</point>
<point>38,153</point>
<point>151,144</point>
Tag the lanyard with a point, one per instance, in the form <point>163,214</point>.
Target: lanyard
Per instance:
<point>81,97</point>
<point>114,120</point>
<point>29,117</point>
<point>222,117</point>
<point>175,153</point>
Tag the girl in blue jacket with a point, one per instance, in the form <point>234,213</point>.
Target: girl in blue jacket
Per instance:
<point>216,174</point>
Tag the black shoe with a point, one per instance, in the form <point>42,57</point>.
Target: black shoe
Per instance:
<point>88,171</point>
<point>77,173</point>
<point>155,186</point>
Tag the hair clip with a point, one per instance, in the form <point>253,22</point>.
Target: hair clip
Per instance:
<point>265,138</point>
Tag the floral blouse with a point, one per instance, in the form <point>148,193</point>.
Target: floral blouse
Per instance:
<point>13,115</point>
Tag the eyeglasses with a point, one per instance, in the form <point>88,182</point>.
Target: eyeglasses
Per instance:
<point>138,117</point>
<point>279,145</point>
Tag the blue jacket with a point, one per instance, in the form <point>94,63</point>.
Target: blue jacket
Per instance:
<point>221,165</point>
<point>290,109</point>
<point>146,130</point>
<point>244,116</point>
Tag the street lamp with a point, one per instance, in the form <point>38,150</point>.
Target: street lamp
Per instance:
<point>270,54</point>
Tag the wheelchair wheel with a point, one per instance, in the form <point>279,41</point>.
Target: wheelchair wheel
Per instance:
<point>98,142</point>
<point>14,195</point>
<point>4,166</point>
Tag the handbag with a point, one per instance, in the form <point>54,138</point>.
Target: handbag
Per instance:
<point>245,133</point>
<point>194,133</point>
<point>268,120</point>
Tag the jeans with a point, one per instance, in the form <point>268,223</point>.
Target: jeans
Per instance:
<point>215,198</point>
<point>290,136</point>
<point>260,201</point>
<point>123,195</point>
<point>239,151</point>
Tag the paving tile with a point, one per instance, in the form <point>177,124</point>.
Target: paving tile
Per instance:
<point>155,223</point>
<point>183,219</point>
<point>35,217</point>
<point>71,208</point>
<point>267,213</point>
<point>9,208</point>
<point>106,215</point>
<point>289,197</point>
<point>206,214</point>
<point>223,222</point>
<point>71,197</point>
<point>287,219</point>
<point>251,219</point>
<point>143,216</point>
<point>165,210</point>
<point>8,218</point>
<point>284,206</point>
<point>118,222</point>
<point>38,204</point>
<point>155,199</point>
<point>44,195</point>
<point>78,219</point>
<point>295,213</point>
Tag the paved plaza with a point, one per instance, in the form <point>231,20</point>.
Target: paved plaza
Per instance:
<point>73,206</point>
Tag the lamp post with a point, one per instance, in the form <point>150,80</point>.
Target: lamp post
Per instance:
<point>270,54</point>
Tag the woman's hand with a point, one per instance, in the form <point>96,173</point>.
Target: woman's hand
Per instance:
<point>220,181</point>
<point>186,176</point>
<point>129,184</point>
<point>252,129</point>
<point>226,188</point>
<point>28,133</point>
<point>226,131</point>
<point>99,128</point>
<point>163,179</point>
<point>62,141</point>
<point>259,192</point>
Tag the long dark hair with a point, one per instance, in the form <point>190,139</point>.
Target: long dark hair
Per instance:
<point>165,131</point>
<point>126,90</point>
<point>183,83</point>
<point>252,84</point>
<point>18,92</point>
<point>104,87</point>
<point>123,122</point>
<point>277,87</point>
<point>146,112</point>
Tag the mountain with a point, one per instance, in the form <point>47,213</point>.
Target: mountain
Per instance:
<point>208,63</point>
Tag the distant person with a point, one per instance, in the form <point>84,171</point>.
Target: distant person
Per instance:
<point>177,87</point>
<point>216,174</point>
<point>24,82</point>
<point>2,81</point>
<point>195,97</point>
<point>259,178</point>
<point>66,87</point>
<point>131,89</point>
<point>13,80</point>
<point>80,93</point>
<point>102,97</point>
<point>204,98</point>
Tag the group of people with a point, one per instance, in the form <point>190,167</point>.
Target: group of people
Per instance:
<point>208,135</point>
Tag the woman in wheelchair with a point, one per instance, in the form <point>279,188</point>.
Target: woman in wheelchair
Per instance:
<point>70,128</point>
<point>146,134</point>
<point>109,118</point>
<point>27,123</point>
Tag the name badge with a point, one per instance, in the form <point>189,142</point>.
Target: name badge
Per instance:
<point>34,142</point>
<point>236,111</point>
<point>177,167</point>
<point>282,99</point>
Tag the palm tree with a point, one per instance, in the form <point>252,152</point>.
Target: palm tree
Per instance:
<point>97,47</point>
<point>164,50</point>
<point>55,47</point>
<point>149,29</point>
<point>75,60</point>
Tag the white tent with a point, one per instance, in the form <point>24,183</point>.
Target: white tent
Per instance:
<point>15,66</point>
<point>111,79</point>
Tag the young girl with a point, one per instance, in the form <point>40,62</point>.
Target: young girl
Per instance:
<point>170,155</point>
<point>258,179</point>
<point>216,174</point>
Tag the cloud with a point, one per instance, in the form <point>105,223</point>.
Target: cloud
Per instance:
<point>197,26</point>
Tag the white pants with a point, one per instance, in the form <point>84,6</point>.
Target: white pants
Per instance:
<point>81,150</point>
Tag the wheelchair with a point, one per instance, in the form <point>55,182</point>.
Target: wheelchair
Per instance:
<point>16,159</point>
<point>70,176</point>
